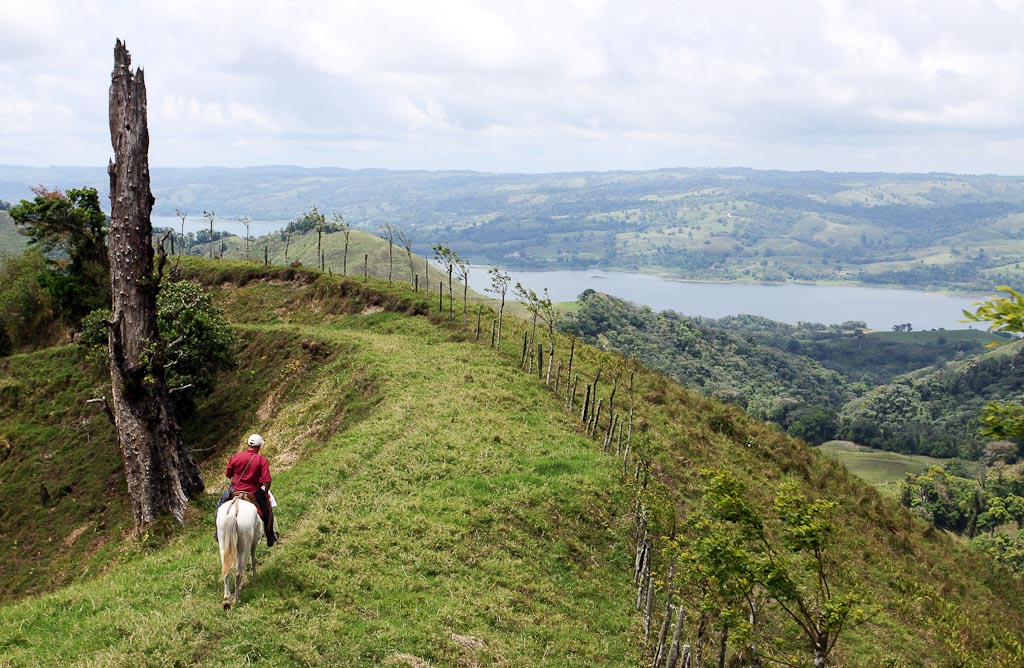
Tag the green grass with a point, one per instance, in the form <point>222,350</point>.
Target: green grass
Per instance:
<point>877,467</point>
<point>440,508</point>
<point>435,503</point>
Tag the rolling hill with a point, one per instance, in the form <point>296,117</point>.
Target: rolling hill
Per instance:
<point>439,507</point>
<point>961,232</point>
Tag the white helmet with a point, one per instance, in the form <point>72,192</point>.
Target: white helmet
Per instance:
<point>255,441</point>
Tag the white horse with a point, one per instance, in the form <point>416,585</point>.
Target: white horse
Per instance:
<point>239,530</point>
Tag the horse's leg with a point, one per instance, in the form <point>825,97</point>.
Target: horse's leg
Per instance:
<point>252,547</point>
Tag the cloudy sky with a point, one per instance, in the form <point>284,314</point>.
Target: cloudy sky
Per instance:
<point>526,85</point>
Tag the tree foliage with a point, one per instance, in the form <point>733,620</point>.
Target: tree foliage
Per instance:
<point>745,557</point>
<point>26,315</point>
<point>199,340</point>
<point>71,229</point>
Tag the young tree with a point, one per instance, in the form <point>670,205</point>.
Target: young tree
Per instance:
<point>245,221</point>
<point>346,229</point>
<point>500,282</point>
<point>788,555</point>
<point>159,469</point>
<point>71,228</point>
<point>388,233</point>
<point>462,268</point>
<point>447,258</point>
<point>183,215</point>
<point>532,302</point>
<point>315,220</point>
<point>210,216</point>
<point>406,241</point>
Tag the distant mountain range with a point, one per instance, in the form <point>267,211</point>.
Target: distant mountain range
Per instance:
<point>920,230</point>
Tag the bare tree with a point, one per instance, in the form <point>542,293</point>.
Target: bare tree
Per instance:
<point>531,301</point>
<point>447,258</point>
<point>549,316</point>
<point>210,216</point>
<point>462,268</point>
<point>406,241</point>
<point>317,221</point>
<point>345,229</point>
<point>159,469</point>
<point>183,215</point>
<point>388,233</point>
<point>500,282</point>
<point>245,221</point>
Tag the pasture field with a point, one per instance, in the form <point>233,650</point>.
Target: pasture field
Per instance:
<point>879,468</point>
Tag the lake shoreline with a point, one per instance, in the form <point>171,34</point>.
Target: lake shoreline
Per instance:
<point>666,276</point>
<point>881,308</point>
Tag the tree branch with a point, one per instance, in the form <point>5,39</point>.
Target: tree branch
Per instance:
<point>179,389</point>
<point>106,408</point>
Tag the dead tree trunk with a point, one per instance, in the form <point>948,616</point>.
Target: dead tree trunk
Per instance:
<point>159,469</point>
<point>677,634</point>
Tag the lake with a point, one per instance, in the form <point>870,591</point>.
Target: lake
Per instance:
<point>880,308</point>
<point>193,224</point>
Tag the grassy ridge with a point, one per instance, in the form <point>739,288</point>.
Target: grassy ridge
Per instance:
<point>438,505</point>
<point>435,505</point>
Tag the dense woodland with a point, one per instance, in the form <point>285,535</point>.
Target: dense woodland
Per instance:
<point>821,382</point>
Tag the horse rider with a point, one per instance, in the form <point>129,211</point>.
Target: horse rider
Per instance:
<point>249,471</point>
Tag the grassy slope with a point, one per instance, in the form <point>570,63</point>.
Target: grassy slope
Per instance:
<point>877,467</point>
<point>438,503</point>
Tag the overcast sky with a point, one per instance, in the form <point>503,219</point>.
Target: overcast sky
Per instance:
<point>524,85</point>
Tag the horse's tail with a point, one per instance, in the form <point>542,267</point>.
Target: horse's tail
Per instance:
<point>229,540</point>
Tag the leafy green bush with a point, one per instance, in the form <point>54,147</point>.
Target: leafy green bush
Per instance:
<point>198,341</point>
<point>26,316</point>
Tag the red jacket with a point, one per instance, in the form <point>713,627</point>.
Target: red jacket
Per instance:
<point>248,470</point>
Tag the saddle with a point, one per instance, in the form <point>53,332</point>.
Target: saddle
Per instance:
<point>245,496</point>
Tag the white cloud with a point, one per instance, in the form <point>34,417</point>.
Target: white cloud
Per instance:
<point>527,86</point>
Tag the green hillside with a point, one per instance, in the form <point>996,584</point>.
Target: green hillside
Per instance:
<point>959,232</point>
<point>438,507</point>
<point>878,467</point>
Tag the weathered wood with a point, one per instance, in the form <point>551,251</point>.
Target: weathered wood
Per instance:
<point>479,315</point>
<point>526,340</point>
<point>698,651</point>
<point>568,372</point>
<point>571,399</point>
<point>723,644</point>
<point>493,328</point>
<point>586,406</point>
<point>666,621</point>
<point>540,359</point>
<point>558,375</point>
<point>648,598</point>
<point>597,416</point>
<point>673,651</point>
<point>416,283</point>
<point>159,468</point>
<point>440,297</point>
<point>606,446</point>
<point>366,267</point>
